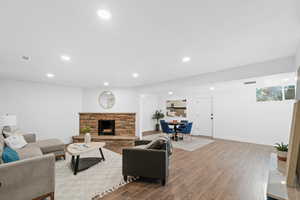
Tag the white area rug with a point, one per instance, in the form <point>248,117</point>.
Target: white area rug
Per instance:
<point>190,143</point>
<point>96,181</point>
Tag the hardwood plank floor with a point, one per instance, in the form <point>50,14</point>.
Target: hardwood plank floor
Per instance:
<point>223,170</point>
<point>145,133</point>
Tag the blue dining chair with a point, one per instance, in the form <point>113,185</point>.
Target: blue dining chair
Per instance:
<point>165,127</point>
<point>182,126</point>
<point>187,129</point>
<point>162,120</point>
<point>161,124</point>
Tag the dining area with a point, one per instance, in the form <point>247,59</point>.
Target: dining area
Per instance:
<point>177,130</point>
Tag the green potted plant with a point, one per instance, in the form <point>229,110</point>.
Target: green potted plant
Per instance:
<point>157,116</point>
<point>282,151</point>
<point>87,136</point>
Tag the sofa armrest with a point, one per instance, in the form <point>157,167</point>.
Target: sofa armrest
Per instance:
<point>30,138</point>
<point>141,142</point>
<point>145,162</point>
<point>28,179</point>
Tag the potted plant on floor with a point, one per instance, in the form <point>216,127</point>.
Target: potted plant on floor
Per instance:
<point>158,115</point>
<point>87,136</point>
<point>282,151</point>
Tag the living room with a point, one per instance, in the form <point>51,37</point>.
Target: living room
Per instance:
<point>149,100</point>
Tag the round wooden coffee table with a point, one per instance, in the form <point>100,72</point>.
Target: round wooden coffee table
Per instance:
<point>77,149</point>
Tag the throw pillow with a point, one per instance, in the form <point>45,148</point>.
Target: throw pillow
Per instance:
<point>1,146</point>
<point>9,155</point>
<point>12,132</point>
<point>15,141</point>
<point>156,144</point>
<point>169,144</point>
<point>160,142</point>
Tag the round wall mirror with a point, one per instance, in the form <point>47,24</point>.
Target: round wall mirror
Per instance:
<point>106,99</point>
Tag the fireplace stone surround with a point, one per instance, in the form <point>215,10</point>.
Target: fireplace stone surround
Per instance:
<point>124,122</point>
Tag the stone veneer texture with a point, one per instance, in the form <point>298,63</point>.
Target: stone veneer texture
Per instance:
<point>124,122</point>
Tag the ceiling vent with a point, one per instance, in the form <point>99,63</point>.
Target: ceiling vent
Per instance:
<point>249,82</point>
<point>27,58</point>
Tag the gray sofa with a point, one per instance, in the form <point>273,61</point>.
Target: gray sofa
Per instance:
<point>140,161</point>
<point>33,176</point>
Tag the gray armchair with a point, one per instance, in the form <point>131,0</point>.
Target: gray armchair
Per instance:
<point>149,163</point>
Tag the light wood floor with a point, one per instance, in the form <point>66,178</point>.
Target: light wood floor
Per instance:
<point>145,133</point>
<point>223,170</point>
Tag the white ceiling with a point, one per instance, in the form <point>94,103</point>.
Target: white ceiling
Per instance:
<point>148,37</point>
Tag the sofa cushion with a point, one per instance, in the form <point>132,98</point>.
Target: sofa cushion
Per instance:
<point>50,145</point>
<point>30,137</point>
<point>9,155</point>
<point>140,147</point>
<point>30,150</point>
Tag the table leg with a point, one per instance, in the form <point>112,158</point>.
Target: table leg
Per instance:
<point>176,134</point>
<point>102,156</point>
<point>73,160</point>
<point>76,165</point>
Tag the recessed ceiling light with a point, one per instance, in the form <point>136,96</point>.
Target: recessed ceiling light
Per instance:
<point>186,59</point>
<point>135,75</point>
<point>106,83</point>
<point>49,75</point>
<point>65,58</point>
<point>104,14</point>
<point>170,92</point>
<point>212,88</point>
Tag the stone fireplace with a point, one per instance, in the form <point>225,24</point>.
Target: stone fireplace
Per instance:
<point>109,124</point>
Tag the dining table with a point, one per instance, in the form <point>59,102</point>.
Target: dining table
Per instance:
<point>176,126</point>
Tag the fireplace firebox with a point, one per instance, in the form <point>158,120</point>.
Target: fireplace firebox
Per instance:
<point>106,127</point>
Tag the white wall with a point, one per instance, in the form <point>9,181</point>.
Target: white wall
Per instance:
<point>126,100</point>
<point>48,110</point>
<point>297,64</point>
<point>148,105</point>
<point>239,117</point>
<point>237,114</point>
<point>297,57</point>
<point>51,111</point>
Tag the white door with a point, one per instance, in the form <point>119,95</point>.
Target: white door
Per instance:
<point>200,113</point>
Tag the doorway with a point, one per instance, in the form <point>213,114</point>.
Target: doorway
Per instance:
<point>200,112</point>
